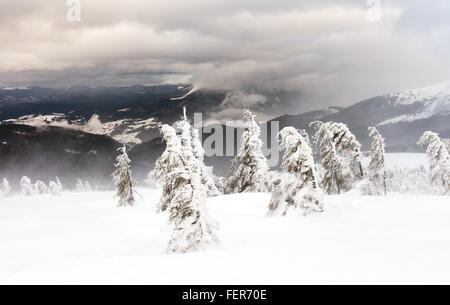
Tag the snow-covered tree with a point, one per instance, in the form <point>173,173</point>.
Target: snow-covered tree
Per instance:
<point>215,185</point>
<point>171,159</point>
<point>439,162</point>
<point>298,161</point>
<point>59,184</point>
<point>220,183</point>
<point>271,177</point>
<point>87,186</point>
<point>347,146</point>
<point>278,198</point>
<point>408,180</point>
<point>301,182</point>
<point>185,134</point>
<point>249,168</point>
<point>376,184</point>
<point>337,174</point>
<point>40,187</point>
<point>191,228</point>
<point>26,187</point>
<point>83,186</point>
<point>197,148</point>
<point>55,187</point>
<point>122,179</point>
<point>152,180</point>
<point>184,196</point>
<point>447,143</point>
<point>305,136</point>
<point>79,185</point>
<point>5,188</point>
<point>194,154</point>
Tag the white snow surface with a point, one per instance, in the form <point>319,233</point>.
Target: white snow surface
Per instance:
<point>83,238</point>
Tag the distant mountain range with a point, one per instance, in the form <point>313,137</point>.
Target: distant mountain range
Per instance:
<point>48,151</point>
<point>74,132</point>
<point>128,114</point>
<point>401,117</point>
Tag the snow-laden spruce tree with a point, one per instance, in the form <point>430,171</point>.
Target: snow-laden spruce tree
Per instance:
<point>347,143</point>
<point>439,162</point>
<point>40,187</point>
<point>79,186</point>
<point>55,187</point>
<point>447,144</point>
<point>87,186</point>
<point>376,183</point>
<point>5,188</point>
<point>190,224</point>
<point>337,174</point>
<point>58,182</point>
<point>249,168</point>
<point>183,196</point>
<point>194,154</point>
<point>347,146</point>
<point>26,187</point>
<point>171,159</point>
<point>197,147</point>
<point>305,136</point>
<point>301,184</point>
<point>122,179</point>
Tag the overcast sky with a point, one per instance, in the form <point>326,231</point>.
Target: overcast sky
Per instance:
<point>329,51</point>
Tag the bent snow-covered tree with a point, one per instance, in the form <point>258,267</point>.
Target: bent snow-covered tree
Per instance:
<point>347,146</point>
<point>301,182</point>
<point>26,187</point>
<point>376,183</point>
<point>5,188</point>
<point>337,175</point>
<point>87,186</point>
<point>439,162</point>
<point>122,179</point>
<point>40,187</point>
<point>194,154</point>
<point>184,196</point>
<point>249,168</point>
<point>79,186</point>
<point>55,187</point>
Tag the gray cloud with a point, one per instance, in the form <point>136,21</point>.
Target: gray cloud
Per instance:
<point>328,52</point>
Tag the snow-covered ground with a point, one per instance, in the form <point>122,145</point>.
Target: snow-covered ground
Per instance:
<point>85,238</point>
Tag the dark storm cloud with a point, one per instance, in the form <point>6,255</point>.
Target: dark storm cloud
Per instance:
<point>328,50</point>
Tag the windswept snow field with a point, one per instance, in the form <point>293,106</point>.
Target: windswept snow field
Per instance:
<point>83,238</point>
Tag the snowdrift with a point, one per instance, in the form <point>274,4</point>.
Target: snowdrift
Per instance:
<point>83,238</point>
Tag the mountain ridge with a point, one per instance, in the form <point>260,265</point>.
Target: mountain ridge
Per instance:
<point>401,117</point>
